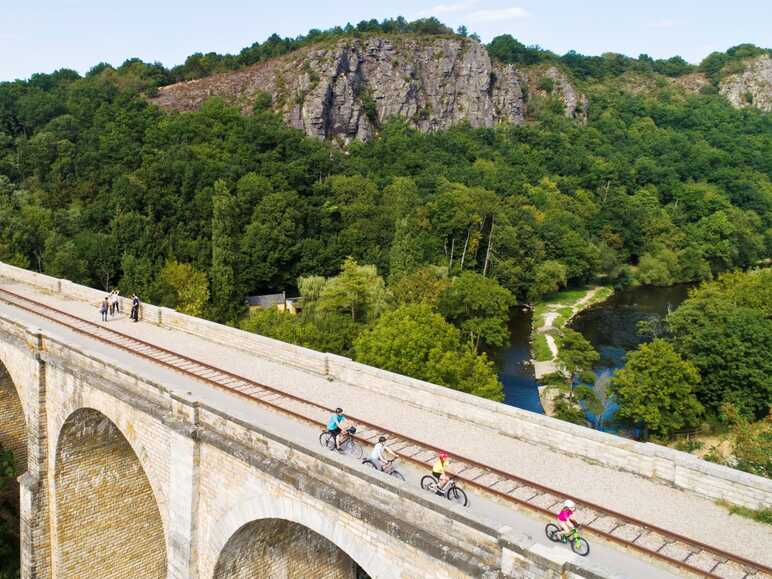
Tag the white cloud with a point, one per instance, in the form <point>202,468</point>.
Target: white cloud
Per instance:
<point>442,9</point>
<point>664,23</point>
<point>496,15</point>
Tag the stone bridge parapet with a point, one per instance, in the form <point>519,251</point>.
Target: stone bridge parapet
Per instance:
<point>207,474</point>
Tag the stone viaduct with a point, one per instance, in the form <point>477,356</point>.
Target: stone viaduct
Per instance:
<point>130,472</point>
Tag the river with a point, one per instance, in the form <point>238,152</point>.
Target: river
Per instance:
<point>513,363</point>
<point>611,327</point>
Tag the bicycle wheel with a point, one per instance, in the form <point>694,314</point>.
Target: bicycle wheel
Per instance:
<point>353,449</point>
<point>457,496</point>
<point>370,463</point>
<point>398,475</point>
<point>327,441</point>
<point>580,546</point>
<point>429,483</point>
<point>553,532</point>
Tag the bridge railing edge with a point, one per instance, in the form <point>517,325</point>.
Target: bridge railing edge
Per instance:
<point>652,461</point>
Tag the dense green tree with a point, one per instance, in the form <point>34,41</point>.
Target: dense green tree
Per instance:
<point>656,389</point>
<point>660,268</point>
<point>423,285</point>
<point>479,307</point>
<point>270,245</point>
<point>465,370</point>
<point>333,332</point>
<point>403,340</point>
<point>226,295</point>
<point>362,226</point>
<point>311,288</point>
<point>752,441</point>
<point>357,291</point>
<point>137,277</point>
<point>549,277</point>
<point>724,328</point>
<point>61,259</point>
<point>597,398</point>
<point>416,341</point>
<point>406,253</point>
<point>575,354</point>
<point>507,49</point>
<point>182,287</point>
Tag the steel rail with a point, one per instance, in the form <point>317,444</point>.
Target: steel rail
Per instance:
<point>422,446</point>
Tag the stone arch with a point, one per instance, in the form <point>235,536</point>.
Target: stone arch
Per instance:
<point>13,421</point>
<point>13,438</point>
<point>136,427</point>
<point>108,523</point>
<point>281,548</point>
<point>239,537</point>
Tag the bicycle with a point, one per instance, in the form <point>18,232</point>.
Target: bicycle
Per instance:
<point>579,545</point>
<point>451,492</point>
<point>348,446</point>
<point>388,468</point>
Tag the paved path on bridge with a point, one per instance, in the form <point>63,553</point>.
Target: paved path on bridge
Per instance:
<point>658,504</point>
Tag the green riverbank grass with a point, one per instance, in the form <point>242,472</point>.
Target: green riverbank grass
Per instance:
<point>563,306</point>
<point>563,315</point>
<point>541,350</point>
<point>568,296</point>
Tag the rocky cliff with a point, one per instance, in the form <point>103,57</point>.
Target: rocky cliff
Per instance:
<point>345,90</point>
<point>751,86</point>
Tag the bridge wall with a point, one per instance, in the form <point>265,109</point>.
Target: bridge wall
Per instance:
<point>210,475</point>
<point>20,349</point>
<point>678,469</point>
<point>669,466</point>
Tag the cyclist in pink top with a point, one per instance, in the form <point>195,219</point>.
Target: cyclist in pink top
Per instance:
<point>566,523</point>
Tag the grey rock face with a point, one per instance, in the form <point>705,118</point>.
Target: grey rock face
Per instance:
<point>575,104</point>
<point>347,90</point>
<point>752,86</point>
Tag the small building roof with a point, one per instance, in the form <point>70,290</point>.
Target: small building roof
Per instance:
<point>266,300</point>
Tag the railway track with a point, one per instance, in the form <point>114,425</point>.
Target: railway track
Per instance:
<point>682,552</point>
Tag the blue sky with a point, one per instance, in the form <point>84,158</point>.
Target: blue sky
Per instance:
<point>43,35</point>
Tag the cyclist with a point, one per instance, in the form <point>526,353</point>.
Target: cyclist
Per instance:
<point>380,452</point>
<point>566,523</point>
<point>334,426</point>
<point>438,470</point>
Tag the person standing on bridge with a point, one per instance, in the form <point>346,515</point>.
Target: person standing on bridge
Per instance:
<point>104,308</point>
<point>113,299</point>
<point>134,308</point>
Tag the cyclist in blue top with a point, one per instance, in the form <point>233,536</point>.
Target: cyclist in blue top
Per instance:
<point>334,426</point>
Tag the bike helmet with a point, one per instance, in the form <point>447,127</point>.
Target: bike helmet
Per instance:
<point>339,411</point>
<point>443,455</point>
<point>382,439</point>
<point>569,504</point>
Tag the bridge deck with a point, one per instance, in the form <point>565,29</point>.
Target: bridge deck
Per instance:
<point>623,492</point>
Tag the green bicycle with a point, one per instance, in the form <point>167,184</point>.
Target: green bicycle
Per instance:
<point>579,545</point>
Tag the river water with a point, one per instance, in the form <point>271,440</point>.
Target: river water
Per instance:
<point>513,362</point>
<point>611,327</point>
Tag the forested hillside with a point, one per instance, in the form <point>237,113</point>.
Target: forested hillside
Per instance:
<point>197,210</point>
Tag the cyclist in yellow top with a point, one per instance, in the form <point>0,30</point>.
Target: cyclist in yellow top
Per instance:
<point>438,470</point>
